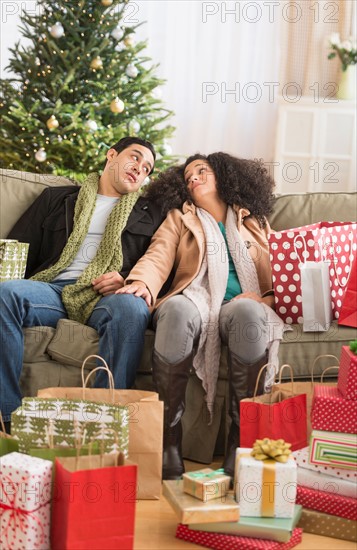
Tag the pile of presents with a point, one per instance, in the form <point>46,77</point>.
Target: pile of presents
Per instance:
<point>74,466</point>
<point>280,489</point>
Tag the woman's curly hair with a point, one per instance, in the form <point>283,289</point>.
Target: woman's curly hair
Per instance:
<point>243,182</point>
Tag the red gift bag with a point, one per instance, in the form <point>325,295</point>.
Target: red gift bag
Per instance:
<point>93,503</point>
<point>278,415</point>
<point>348,313</point>
<point>333,242</point>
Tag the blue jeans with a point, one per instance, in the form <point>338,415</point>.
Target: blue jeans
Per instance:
<point>120,321</point>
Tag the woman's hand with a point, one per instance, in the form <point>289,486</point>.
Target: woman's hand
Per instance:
<point>108,283</point>
<point>138,289</point>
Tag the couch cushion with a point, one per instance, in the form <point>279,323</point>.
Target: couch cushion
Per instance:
<point>17,192</point>
<point>72,343</point>
<point>294,210</point>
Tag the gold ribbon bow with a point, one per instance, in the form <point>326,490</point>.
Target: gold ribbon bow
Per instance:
<point>278,450</point>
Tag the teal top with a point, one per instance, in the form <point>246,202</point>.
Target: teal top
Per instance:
<point>233,284</point>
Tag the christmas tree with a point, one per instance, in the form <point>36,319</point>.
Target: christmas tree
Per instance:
<point>81,85</point>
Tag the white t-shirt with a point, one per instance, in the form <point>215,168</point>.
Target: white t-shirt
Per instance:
<point>103,207</point>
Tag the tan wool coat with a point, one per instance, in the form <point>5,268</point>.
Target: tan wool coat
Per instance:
<point>180,243</point>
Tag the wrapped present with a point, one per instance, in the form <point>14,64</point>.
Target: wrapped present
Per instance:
<point>218,541</point>
<point>326,525</point>
<point>332,412</point>
<point>25,502</point>
<point>302,459</point>
<point>336,505</point>
<point>191,510</point>
<point>347,374</point>
<point>333,449</point>
<point>323,482</point>
<point>331,242</point>
<point>13,259</point>
<point>206,484</point>
<point>264,486</point>
<point>65,418</point>
<point>278,529</point>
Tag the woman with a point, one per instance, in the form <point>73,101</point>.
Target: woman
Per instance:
<point>216,241</point>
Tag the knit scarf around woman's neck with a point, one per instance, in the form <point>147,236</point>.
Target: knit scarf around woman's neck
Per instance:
<point>207,292</point>
<point>80,298</point>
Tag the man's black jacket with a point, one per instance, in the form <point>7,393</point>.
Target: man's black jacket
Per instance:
<point>48,222</point>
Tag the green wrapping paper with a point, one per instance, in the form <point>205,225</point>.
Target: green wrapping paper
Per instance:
<point>65,420</point>
<point>333,449</point>
<point>13,258</point>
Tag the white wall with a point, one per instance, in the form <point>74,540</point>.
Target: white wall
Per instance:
<point>205,50</point>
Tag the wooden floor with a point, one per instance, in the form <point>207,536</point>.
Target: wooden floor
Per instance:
<point>156,525</point>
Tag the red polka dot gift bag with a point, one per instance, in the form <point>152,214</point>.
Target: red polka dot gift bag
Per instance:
<point>332,242</point>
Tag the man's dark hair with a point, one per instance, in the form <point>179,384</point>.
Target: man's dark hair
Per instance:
<point>124,143</point>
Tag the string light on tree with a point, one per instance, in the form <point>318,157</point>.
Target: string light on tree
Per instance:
<point>117,105</point>
<point>96,63</point>
<point>57,30</point>
<point>41,155</point>
<point>52,123</point>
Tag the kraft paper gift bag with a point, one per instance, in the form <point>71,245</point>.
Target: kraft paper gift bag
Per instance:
<point>146,416</point>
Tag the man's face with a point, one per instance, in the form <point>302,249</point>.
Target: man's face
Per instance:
<point>126,171</point>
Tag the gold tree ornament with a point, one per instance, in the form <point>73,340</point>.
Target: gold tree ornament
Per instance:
<point>107,3</point>
<point>52,123</point>
<point>96,63</point>
<point>117,105</point>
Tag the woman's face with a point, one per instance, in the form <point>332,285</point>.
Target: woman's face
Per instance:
<point>200,181</point>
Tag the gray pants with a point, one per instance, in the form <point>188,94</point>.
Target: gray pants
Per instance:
<point>242,326</point>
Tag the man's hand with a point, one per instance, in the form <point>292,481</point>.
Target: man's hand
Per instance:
<point>108,283</point>
<point>138,289</point>
<point>251,295</point>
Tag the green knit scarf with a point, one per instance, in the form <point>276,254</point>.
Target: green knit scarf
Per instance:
<point>80,298</point>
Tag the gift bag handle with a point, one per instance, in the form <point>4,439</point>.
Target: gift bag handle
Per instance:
<point>291,374</point>
<point>316,360</point>
<point>103,367</point>
<point>305,248</point>
<point>258,378</point>
<point>327,369</point>
<point>119,455</point>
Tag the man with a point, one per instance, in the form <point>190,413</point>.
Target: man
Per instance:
<point>83,243</point>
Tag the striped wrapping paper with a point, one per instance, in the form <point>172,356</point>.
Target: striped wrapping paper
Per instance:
<point>320,501</point>
<point>218,541</point>
<point>347,374</point>
<point>332,412</point>
<point>302,460</point>
<point>333,449</point>
<point>328,484</point>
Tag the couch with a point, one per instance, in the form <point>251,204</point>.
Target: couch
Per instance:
<point>53,357</point>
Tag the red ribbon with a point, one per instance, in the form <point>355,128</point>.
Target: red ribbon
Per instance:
<point>18,516</point>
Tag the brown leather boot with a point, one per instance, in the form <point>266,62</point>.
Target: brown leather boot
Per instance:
<point>242,380</point>
<point>171,382</point>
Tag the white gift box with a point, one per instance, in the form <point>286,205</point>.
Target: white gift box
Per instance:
<point>25,502</point>
<point>265,488</point>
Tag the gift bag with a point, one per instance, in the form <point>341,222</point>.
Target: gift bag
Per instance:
<point>297,387</point>
<point>315,292</point>
<point>348,313</point>
<point>7,443</point>
<point>278,415</point>
<point>13,258</point>
<point>64,418</point>
<point>331,242</point>
<point>146,415</point>
<point>94,503</point>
